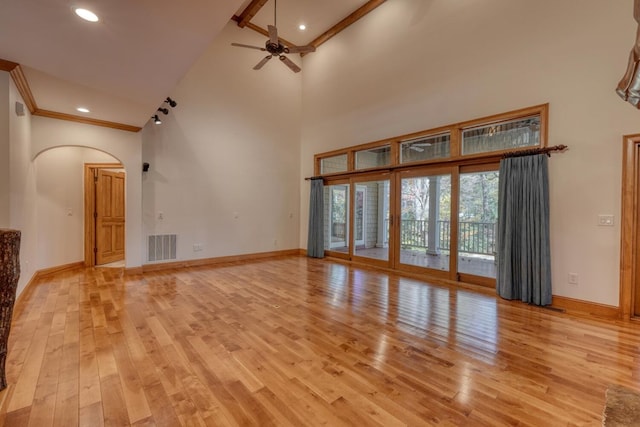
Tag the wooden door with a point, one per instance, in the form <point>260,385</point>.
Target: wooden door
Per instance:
<point>109,217</point>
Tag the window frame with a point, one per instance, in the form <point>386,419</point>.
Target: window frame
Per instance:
<point>455,131</point>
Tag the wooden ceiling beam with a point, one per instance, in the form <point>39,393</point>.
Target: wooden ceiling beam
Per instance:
<point>346,22</point>
<point>250,11</point>
<point>7,65</point>
<point>262,31</point>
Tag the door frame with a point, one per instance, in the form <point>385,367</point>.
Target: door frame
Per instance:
<point>362,189</point>
<point>629,224</point>
<point>89,208</point>
<point>346,220</point>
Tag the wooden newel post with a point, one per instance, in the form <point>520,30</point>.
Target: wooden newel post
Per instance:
<point>9,275</point>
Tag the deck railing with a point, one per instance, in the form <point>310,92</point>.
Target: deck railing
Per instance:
<point>474,237</point>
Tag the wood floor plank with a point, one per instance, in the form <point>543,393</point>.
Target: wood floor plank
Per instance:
<point>132,390</point>
<point>113,405</point>
<point>88,374</point>
<point>67,404</point>
<point>25,389</point>
<point>92,415</point>
<point>295,341</point>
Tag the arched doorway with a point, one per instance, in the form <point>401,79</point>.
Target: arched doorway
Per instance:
<point>61,211</point>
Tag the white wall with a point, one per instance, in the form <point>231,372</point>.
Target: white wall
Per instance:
<point>123,146</point>
<point>22,192</point>
<point>414,64</point>
<point>4,149</point>
<point>60,203</point>
<point>225,163</point>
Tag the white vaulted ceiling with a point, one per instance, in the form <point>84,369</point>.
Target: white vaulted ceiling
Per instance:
<point>123,67</point>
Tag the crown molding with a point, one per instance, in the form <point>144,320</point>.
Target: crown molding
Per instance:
<point>23,87</point>
<point>15,70</point>
<point>85,120</point>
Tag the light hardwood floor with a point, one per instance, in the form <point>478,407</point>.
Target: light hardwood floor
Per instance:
<point>297,341</point>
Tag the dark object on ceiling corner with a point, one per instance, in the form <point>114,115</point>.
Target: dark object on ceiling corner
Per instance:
<point>145,167</point>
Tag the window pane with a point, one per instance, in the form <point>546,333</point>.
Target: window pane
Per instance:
<point>336,214</point>
<point>478,225</point>
<point>334,164</point>
<point>374,157</point>
<point>502,136</point>
<point>425,230</point>
<point>425,148</point>
<point>371,219</point>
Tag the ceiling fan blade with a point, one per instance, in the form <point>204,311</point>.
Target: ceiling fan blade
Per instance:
<point>249,46</point>
<point>289,63</point>
<point>301,49</point>
<point>273,34</point>
<point>264,61</point>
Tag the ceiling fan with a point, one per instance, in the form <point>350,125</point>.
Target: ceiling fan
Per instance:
<point>275,48</point>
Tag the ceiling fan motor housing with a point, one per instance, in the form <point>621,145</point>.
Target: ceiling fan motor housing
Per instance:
<point>273,48</point>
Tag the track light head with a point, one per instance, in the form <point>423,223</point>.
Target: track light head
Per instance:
<point>156,119</point>
<point>171,102</point>
<point>164,111</point>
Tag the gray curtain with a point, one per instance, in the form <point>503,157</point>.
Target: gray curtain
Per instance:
<point>524,260</point>
<point>315,239</point>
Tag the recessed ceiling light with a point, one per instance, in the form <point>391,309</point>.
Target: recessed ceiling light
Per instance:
<point>302,27</point>
<point>87,15</point>
<point>83,110</point>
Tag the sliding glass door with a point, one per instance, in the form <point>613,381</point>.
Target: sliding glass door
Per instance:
<point>336,217</point>
<point>371,214</point>
<point>478,222</point>
<point>424,221</point>
<point>441,221</point>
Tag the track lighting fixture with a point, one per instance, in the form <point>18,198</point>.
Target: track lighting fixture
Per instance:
<point>156,120</point>
<point>171,102</point>
<point>164,111</point>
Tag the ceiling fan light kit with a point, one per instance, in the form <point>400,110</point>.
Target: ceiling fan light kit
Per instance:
<point>275,48</point>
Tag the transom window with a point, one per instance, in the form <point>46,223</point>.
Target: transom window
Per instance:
<point>502,136</point>
<point>373,157</point>
<point>488,137</point>
<point>425,148</point>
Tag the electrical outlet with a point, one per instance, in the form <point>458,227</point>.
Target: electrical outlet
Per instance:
<point>197,247</point>
<point>160,215</point>
<point>573,278</point>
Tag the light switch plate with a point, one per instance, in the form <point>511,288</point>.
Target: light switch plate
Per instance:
<point>605,220</point>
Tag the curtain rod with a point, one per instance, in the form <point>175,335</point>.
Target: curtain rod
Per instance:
<point>533,151</point>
